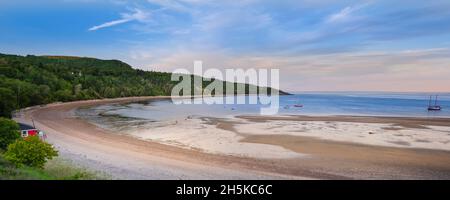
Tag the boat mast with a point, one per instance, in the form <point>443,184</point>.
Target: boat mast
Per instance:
<point>429,102</point>
<point>435,101</point>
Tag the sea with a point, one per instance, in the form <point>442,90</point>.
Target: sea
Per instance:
<point>313,104</point>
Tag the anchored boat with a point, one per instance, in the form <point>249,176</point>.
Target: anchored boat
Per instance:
<point>298,105</point>
<point>434,107</point>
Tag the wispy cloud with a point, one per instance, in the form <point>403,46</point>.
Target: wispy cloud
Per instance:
<point>177,5</point>
<point>399,70</point>
<point>345,14</point>
<point>137,15</point>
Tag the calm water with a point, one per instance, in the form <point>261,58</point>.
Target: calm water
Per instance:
<point>352,103</point>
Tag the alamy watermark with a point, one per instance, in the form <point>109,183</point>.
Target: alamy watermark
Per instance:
<point>252,85</point>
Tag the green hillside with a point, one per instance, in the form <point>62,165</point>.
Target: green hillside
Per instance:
<point>33,80</point>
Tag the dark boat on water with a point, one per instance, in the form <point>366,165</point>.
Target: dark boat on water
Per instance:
<point>434,107</point>
<point>298,105</point>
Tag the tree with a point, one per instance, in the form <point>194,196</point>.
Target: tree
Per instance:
<point>30,151</point>
<point>7,102</point>
<point>9,132</point>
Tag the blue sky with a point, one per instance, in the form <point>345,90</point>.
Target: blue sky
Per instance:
<point>324,45</point>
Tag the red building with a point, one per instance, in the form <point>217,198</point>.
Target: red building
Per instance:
<point>27,130</point>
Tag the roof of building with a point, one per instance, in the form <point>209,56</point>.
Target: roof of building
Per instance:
<point>25,126</point>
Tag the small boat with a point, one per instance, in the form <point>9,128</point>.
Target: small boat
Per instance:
<point>434,107</point>
<point>298,105</point>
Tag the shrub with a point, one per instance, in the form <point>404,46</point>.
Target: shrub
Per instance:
<point>9,132</point>
<point>30,151</point>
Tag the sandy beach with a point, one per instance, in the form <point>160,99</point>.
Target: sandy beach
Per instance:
<point>251,147</point>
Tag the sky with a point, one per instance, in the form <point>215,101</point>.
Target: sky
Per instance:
<point>318,45</point>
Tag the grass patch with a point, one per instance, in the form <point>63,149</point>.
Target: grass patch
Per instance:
<point>55,169</point>
<point>61,170</point>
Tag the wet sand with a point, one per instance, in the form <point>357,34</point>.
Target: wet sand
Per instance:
<point>125,157</point>
<point>405,122</point>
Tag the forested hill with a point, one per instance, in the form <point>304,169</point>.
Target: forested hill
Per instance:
<point>33,80</point>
